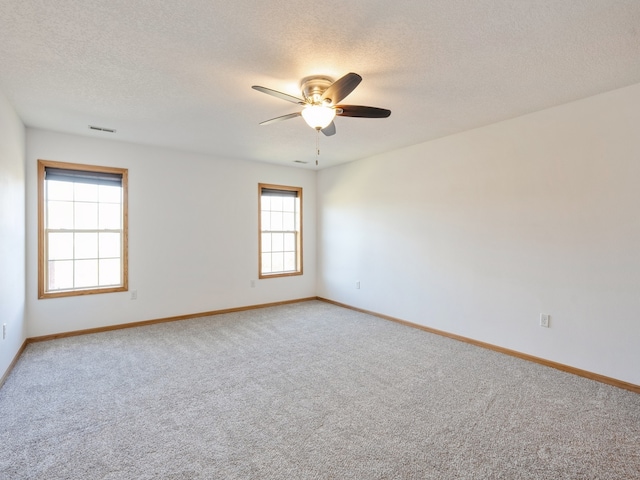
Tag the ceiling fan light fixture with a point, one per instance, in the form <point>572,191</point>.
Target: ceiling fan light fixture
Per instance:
<point>322,102</point>
<point>318,116</point>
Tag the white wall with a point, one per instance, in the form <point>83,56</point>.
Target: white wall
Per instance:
<point>12,233</point>
<point>478,233</point>
<point>192,234</point>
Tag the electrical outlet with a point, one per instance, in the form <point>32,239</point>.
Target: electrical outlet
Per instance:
<point>134,294</point>
<point>358,284</point>
<point>4,331</point>
<point>544,320</point>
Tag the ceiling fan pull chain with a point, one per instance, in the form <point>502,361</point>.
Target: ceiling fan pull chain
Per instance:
<point>317,145</point>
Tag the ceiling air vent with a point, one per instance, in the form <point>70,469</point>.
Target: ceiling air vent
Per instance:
<point>102,129</point>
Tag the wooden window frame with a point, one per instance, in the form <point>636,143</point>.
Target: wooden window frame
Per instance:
<point>42,257</point>
<point>299,246</point>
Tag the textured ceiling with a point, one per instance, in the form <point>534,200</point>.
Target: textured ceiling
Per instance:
<point>179,74</point>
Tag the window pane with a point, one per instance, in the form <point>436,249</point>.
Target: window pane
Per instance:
<point>289,261</point>
<point>59,215</point>
<point>86,216</point>
<point>109,216</point>
<point>110,194</point>
<point>83,225</point>
<point>276,220</point>
<point>265,217</point>
<point>277,242</point>
<point>266,263</point>
<point>109,245</point>
<point>276,204</point>
<point>288,204</point>
<point>277,262</point>
<point>289,242</point>
<point>60,275</point>
<point>85,192</point>
<point>279,214</point>
<point>288,222</point>
<point>59,190</point>
<point>86,273</point>
<point>60,246</point>
<point>266,242</point>
<point>86,245</point>
<point>110,272</point>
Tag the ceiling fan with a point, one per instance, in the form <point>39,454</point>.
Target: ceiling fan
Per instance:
<point>321,98</point>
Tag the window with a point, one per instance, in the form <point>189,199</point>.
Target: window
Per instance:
<point>280,239</point>
<point>82,229</point>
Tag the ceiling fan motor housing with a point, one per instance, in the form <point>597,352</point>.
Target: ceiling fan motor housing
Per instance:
<point>313,88</point>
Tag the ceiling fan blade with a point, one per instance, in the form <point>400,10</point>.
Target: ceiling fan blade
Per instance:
<point>279,119</point>
<point>341,88</point>
<point>360,111</point>
<point>280,95</point>
<point>329,130</point>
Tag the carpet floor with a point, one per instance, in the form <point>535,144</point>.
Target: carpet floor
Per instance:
<point>304,391</point>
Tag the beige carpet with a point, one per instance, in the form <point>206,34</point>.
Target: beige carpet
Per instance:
<point>308,390</point>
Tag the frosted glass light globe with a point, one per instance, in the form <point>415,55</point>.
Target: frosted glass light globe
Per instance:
<point>318,116</point>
